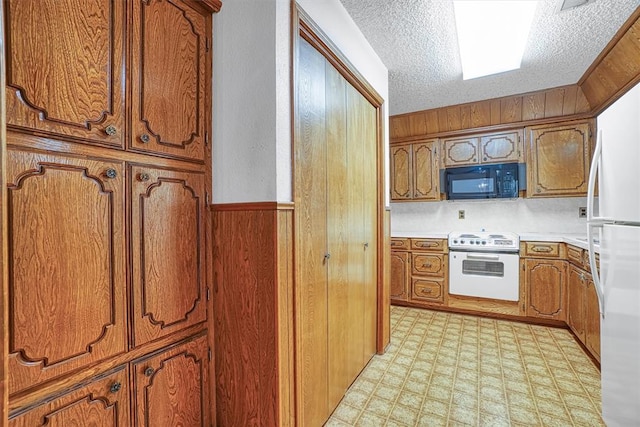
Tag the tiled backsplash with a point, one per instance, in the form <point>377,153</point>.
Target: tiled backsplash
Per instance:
<point>549,215</point>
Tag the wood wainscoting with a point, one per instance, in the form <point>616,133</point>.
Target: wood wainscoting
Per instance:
<point>253,312</point>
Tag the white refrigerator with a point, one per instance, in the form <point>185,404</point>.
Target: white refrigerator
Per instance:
<point>613,217</point>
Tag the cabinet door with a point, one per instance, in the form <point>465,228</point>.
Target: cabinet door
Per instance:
<point>65,62</point>
<point>501,147</point>
<point>425,171</point>
<point>66,262</point>
<point>167,240</point>
<point>103,402</point>
<point>399,275</point>
<point>172,388</point>
<point>592,318</point>
<point>545,288</point>
<point>428,264</point>
<point>401,173</point>
<point>169,79</point>
<point>575,301</point>
<point>558,160</point>
<point>460,152</point>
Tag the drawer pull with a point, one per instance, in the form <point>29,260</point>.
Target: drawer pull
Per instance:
<point>426,291</point>
<point>542,249</point>
<point>426,245</point>
<point>115,387</point>
<point>396,243</point>
<point>427,265</point>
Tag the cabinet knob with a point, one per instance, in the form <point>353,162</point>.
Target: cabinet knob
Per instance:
<point>110,130</point>
<point>149,371</point>
<point>145,138</point>
<point>484,159</point>
<point>115,387</point>
<point>143,177</point>
<point>110,173</point>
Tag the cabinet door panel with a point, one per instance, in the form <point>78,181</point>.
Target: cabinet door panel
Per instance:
<point>401,173</point>
<point>545,284</point>
<point>575,298</point>
<point>592,319</point>
<point>501,147</point>
<point>168,79</point>
<point>66,262</point>
<point>64,68</point>
<point>104,403</point>
<point>167,228</point>
<point>172,388</point>
<point>399,275</point>
<point>430,290</point>
<point>558,160</point>
<point>429,264</point>
<point>460,152</point>
<point>425,171</point>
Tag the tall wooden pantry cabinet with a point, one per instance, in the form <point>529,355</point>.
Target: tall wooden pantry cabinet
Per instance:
<point>108,179</point>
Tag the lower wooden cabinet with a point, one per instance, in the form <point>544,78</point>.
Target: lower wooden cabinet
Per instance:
<point>545,288</point>
<point>592,319</point>
<point>428,289</point>
<point>576,286</point>
<point>171,388</point>
<point>103,402</point>
<point>400,275</point>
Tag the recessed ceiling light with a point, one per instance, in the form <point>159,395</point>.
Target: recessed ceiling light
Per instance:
<point>492,34</point>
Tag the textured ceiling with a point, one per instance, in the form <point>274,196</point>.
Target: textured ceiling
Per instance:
<point>416,40</point>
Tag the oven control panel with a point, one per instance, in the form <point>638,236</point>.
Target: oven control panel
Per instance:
<point>487,242</point>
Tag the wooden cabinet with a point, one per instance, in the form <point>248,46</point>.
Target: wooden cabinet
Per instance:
<point>429,266</point>
<point>545,288</point>
<point>542,249</point>
<point>558,159</point>
<point>400,275</point>
<point>171,388</point>
<point>167,220</point>
<point>500,147</point>
<point>592,318</point>
<point>427,290</point>
<point>576,287</point>
<point>415,171</point>
<point>107,253</point>
<point>169,79</point>
<point>103,402</point>
<point>64,69</point>
<point>67,261</point>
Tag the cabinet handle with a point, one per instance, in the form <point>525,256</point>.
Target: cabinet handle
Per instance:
<point>145,138</point>
<point>426,245</point>
<point>427,265</point>
<point>115,387</point>
<point>143,177</point>
<point>149,371</point>
<point>426,291</point>
<point>111,130</point>
<point>110,173</point>
<point>541,249</point>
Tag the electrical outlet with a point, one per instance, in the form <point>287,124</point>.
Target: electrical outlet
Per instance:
<point>582,212</point>
<point>461,214</point>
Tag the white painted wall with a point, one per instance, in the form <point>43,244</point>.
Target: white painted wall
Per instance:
<point>552,215</point>
<point>251,92</point>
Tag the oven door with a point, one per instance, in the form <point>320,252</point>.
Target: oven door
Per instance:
<point>484,275</point>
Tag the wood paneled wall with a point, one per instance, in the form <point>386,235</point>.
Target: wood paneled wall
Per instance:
<point>562,101</point>
<point>616,70</point>
<point>253,310</point>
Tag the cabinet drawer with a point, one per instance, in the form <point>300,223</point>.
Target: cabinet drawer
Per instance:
<point>434,245</point>
<point>541,249</point>
<point>399,244</point>
<point>585,261</point>
<point>428,264</point>
<point>427,289</point>
<point>575,255</point>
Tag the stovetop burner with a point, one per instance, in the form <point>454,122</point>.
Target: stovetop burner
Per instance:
<point>484,241</point>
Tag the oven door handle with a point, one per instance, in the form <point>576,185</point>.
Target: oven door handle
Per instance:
<point>484,257</point>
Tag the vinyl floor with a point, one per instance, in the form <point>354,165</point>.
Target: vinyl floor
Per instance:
<point>445,369</point>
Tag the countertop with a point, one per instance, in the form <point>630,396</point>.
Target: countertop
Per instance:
<point>579,240</point>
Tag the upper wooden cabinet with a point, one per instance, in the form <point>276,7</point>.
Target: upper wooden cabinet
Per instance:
<point>167,220</point>
<point>415,171</point>
<point>558,159</point>
<point>64,69</point>
<point>498,147</point>
<point>67,257</point>
<point>169,79</point>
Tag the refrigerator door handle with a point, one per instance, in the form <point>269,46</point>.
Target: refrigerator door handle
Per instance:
<point>593,173</point>
<point>594,268</point>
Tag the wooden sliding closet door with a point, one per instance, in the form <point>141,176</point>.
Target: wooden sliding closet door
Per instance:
<point>311,238</point>
<point>335,232</point>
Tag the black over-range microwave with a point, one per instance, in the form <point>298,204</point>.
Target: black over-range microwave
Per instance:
<point>495,181</point>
